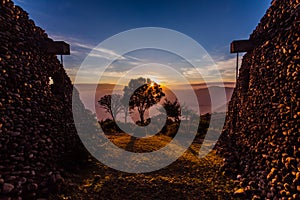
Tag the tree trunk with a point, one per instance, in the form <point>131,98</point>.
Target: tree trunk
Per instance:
<point>125,115</point>
<point>142,118</point>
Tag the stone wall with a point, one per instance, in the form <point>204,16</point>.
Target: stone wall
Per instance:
<point>261,138</point>
<point>36,122</point>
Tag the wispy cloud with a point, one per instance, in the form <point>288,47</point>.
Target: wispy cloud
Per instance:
<point>225,65</point>
<point>20,1</point>
<point>82,45</point>
<point>226,68</point>
<point>85,47</point>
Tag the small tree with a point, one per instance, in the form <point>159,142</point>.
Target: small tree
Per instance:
<point>172,109</point>
<point>145,96</point>
<point>190,116</point>
<point>186,112</point>
<point>125,104</point>
<point>112,104</point>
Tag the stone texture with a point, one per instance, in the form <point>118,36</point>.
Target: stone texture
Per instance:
<point>37,133</point>
<point>7,188</point>
<point>261,138</point>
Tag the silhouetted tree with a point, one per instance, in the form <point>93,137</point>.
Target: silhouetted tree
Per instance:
<point>125,104</point>
<point>146,95</point>
<point>186,112</point>
<point>203,125</point>
<point>172,109</point>
<point>190,116</point>
<point>112,104</point>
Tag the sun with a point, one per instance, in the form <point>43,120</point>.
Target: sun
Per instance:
<point>152,84</point>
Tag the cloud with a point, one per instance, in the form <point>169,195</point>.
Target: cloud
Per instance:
<point>226,68</point>
<point>121,64</point>
<point>19,1</point>
<point>97,52</point>
<point>78,45</point>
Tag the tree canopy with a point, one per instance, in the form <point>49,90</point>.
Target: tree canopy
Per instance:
<point>147,94</point>
<point>112,104</point>
<point>173,109</point>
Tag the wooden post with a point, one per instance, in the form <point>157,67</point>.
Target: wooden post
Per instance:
<point>61,59</point>
<point>237,67</point>
<point>238,46</point>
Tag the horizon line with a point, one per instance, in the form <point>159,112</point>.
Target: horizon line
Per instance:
<point>176,84</point>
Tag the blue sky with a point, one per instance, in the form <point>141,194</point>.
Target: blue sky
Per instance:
<point>84,24</point>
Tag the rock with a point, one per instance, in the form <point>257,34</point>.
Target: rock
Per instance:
<point>28,110</point>
<point>272,173</point>
<point>262,122</point>
<point>11,178</point>
<point>7,188</point>
<point>239,193</point>
<point>32,187</point>
<point>296,196</point>
<point>6,198</point>
<point>23,180</point>
<point>256,197</point>
<point>96,179</point>
<point>270,195</point>
<point>15,134</point>
<point>33,115</point>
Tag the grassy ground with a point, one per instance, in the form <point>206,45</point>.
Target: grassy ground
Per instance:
<point>187,178</point>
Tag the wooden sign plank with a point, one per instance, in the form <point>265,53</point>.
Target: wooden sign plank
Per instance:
<point>56,47</point>
<point>241,46</point>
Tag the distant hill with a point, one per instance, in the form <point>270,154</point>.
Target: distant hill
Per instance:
<point>202,93</point>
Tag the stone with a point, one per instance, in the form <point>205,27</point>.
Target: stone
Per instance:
<point>272,173</point>
<point>15,134</point>
<point>296,196</point>
<point>30,110</point>
<point>23,180</point>
<point>32,187</point>
<point>239,193</point>
<point>262,122</point>
<point>270,195</point>
<point>262,118</point>
<point>7,188</point>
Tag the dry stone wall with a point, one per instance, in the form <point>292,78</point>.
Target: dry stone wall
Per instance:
<point>36,124</point>
<point>261,138</point>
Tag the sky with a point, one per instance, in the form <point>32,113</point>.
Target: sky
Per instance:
<point>85,24</point>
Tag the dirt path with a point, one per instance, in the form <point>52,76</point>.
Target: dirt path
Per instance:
<point>187,178</point>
